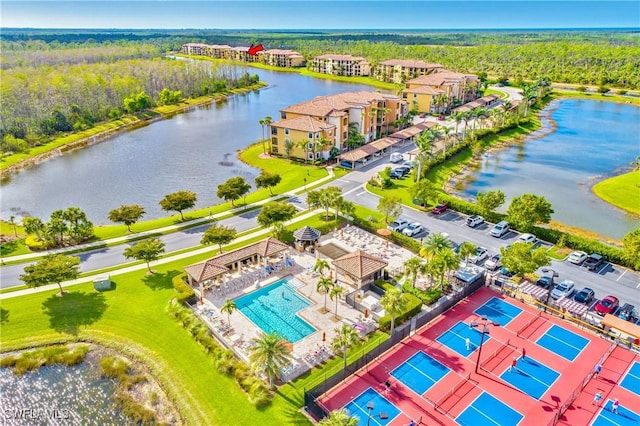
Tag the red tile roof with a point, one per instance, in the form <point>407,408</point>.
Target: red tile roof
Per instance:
<point>304,123</point>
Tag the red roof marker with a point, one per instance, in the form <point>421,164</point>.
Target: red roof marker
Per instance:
<point>253,50</point>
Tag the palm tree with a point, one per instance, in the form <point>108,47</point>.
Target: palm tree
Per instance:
<point>412,267</point>
<point>443,262</point>
<point>457,117</point>
<point>482,114</point>
<point>228,308</point>
<point>323,286</point>
<point>467,249</point>
<point>434,244</point>
<point>346,336</point>
<point>270,354</point>
<point>265,123</point>
<point>339,418</point>
<point>345,206</point>
<point>636,164</point>
<point>335,293</point>
<point>529,94</point>
<point>304,144</point>
<point>12,221</point>
<point>466,117</point>
<point>421,159</point>
<point>288,144</point>
<point>394,302</point>
<point>320,266</point>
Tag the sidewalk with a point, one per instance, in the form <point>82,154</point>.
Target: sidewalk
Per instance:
<point>151,232</point>
<point>162,261</point>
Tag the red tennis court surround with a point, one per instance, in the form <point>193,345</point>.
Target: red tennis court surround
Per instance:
<point>451,394</point>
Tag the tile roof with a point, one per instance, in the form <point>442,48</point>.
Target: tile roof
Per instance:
<point>304,123</point>
<point>384,143</point>
<point>341,57</point>
<point>441,78</point>
<point>425,90</point>
<point>327,105</point>
<point>410,63</point>
<point>219,46</point>
<point>410,132</point>
<point>359,264</point>
<point>219,265</point>
<point>480,102</point>
<point>282,52</point>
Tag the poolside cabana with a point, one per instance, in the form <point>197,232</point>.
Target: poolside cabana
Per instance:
<point>306,237</point>
<point>358,269</point>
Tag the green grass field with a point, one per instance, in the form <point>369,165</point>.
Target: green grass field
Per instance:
<point>622,191</point>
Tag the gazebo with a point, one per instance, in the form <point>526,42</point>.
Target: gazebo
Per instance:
<point>306,237</point>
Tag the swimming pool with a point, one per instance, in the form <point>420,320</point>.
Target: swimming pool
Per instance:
<point>274,308</point>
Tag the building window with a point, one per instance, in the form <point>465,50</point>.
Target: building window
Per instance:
<point>274,130</point>
<point>274,141</point>
<point>310,146</point>
<point>318,154</point>
<point>283,115</point>
<point>318,135</point>
<point>286,131</point>
<point>274,149</point>
<point>310,135</point>
<point>310,156</point>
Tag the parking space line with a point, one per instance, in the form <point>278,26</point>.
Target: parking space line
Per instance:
<point>622,274</point>
<point>360,193</point>
<point>604,266</point>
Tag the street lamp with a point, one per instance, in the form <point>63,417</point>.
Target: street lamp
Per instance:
<point>485,330</point>
<point>554,274</point>
<point>382,415</point>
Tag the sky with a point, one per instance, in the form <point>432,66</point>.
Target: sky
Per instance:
<point>321,14</point>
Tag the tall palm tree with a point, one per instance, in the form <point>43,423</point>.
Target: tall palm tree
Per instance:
<point>346,336</point>
<point>529,94</point>
<point>228,308</point>
<point>457,117</point>
<point>320,266</point>
<point>443,262</point>
<point>270,354</point>
<point>636,164</point>
<point>345,206</point>
<point>265,123</point>
<point>446,130</point>
<point>434,244</point>
<point>466,117</point>
<point>394,302</point>
<point>421,159</point>
<point>339,418</point>
<point>467,249</point>
<point>412,268</point>
<point>304,144</point>
<point>335,293</point>
<point>482,114</point>
<point>323,286</point>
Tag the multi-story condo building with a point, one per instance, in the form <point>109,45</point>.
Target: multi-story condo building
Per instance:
<point>241,53</point>
<point>401,70</point>
<point>282,58</point>
<point>324,123</point>
<point>195,49</point>
<point>352,66</point>
<point>440,91</point>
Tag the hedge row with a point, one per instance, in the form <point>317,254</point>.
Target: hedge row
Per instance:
<point>427,297</point>
<point>413,308</point>
<point>185,292</point>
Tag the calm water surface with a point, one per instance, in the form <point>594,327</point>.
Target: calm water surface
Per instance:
<point>143,165</point>
<point>593,140</point>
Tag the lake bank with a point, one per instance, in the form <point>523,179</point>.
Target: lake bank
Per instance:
<point>622,191</point>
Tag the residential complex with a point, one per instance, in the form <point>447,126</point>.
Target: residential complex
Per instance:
<point>347,65</point>
<point>440,91</point>
<point>401,70</point>
<point>274,57</point>
<point>282,58</point>
<point>310,130</point>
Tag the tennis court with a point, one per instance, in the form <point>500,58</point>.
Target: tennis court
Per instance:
<point>631,380</point>
<point>498,310</point>
<point>531,377</point>
<point>420,372</point>
<point>456,339</point>
<point>358,408</point>
<point>625,417</point>
<point>485,409</point>
<point>563,342</point>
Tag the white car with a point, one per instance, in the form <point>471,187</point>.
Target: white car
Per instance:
<point>475,220</point>
<point>413,229</point>
<point>566,288</point>
<point>398,225</point>
<point>481,254</point>
<point>493,263</point>
<point>577,257</point>
<point>527,238</point>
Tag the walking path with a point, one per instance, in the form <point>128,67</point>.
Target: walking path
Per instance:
<point>162,261</point>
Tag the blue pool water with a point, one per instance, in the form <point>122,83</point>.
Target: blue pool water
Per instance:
<point>274,308</point>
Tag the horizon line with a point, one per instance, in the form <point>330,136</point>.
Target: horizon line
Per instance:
<point>321,29</point>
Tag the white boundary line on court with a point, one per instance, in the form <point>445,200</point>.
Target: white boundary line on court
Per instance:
<point>628,373</point>
<point>450,330</point>
<point>499,313</point>
<point>534,378</point>
<point>481,412</point>
<point>364,410</point>
<point>420,371</point>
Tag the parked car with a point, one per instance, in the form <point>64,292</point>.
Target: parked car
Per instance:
<point>607,305</point>
<point>396,174</point>
<point>499,229</point>
<point>475,220</point>
<point>577,257</point>
<point>628,312</point>
<point>593,262</point>
<point>565,288</point>
<point>586,295</point>
<point>398,225</point>
<point>440,208</point>
<point>409,164</point>
<point>404,169</point>
<point>545,281</point>
<point>481,254</point>
<point>506,273</point>
<point>395,157</point>
<point>413,229</point>
<point>527,238</point>
<point>493,263</point>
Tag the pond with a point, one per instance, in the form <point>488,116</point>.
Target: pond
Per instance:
<point>141,166</point>
<point>58,395</point>
<point>593,140</point>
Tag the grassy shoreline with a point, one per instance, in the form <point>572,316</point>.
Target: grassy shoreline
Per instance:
<point>619,191</point>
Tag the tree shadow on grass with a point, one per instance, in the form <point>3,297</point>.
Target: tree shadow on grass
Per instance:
<point>74,310</point>
<point>158,281</point>
<point>4,315</point>
<point>8,248</point>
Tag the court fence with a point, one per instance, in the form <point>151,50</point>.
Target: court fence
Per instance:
<point>312,403</point>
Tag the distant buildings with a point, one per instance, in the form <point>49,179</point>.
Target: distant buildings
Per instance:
<point>347,65</point>
<point>274,57</point>
<point>401,70</point>
<point>311,130</point>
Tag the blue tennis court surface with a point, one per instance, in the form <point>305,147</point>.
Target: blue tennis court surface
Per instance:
<point>531,377</point>
<point>358,408</point>
<point>563,342</point>
<point>420,372</point>
<point>456,339</point>
<point>487,410</point>
<point>631,380</point>
<point>498,311</point>
<point>625,417</point>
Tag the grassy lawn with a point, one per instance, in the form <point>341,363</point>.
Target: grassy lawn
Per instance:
<point>558,253</point>
<point>622,191</point>
<point>559,93</point>
<point>489,91</point>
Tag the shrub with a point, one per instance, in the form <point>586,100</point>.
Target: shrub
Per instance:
<point>50,355</point>
<point>414,306</point>
<point>428,297</point>
<point>136,412</point>
<point>259,395</point>
<point>185,293</point>
<point>34,243</point>
<point>114,367</point>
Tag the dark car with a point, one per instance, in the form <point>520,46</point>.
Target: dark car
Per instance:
<point>628,312</point>
<point>593,262</point>
<point>440,208</point>
<point>607,305</point>
<point>545,282</point>
<point>585,296</point>
<point>396,174</point>
<point>403,169</point>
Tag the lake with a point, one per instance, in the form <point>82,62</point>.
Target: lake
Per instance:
<point>593,140</point>
<point>141,166</point>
